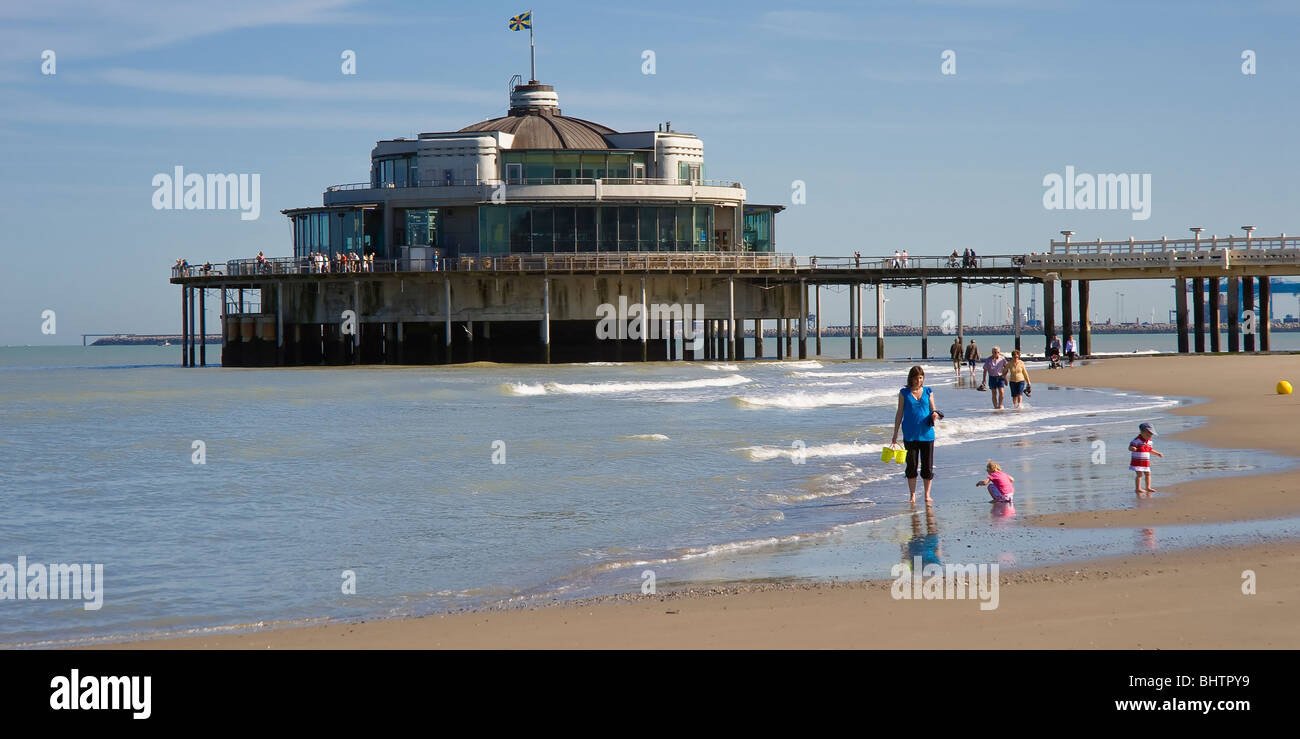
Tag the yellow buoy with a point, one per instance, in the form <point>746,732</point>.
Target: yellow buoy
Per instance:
<point>1283,387</point>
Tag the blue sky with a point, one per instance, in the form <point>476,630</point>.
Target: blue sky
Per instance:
<point>847,97</point>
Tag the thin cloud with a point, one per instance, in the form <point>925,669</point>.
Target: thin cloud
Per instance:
<point>94,28</point>
<point>274,87</point>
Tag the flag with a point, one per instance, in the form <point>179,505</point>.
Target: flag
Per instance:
<point>522,21</point>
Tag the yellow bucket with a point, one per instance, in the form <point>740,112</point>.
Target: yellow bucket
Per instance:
<point>900,455</point>
<point>887,454</point>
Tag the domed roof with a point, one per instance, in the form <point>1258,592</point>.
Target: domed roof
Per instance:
<point>535,121</point>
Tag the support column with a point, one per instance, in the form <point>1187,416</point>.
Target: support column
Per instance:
<point>860,345</point>
<point>1216,342</point>
<point>1265,314</point>
<point>708,339</point>
<point>1198,313</point>
<point>1085,321</point>
<point>672,339</point>
<point>356,336</point>
<point>961,320</point>
<point>1180,310</point>
<point>192,327</point>
<point>1083,298</point>
<point>853,330</point>
<point>1248,304</point>
<point>758,338</point>
<point>185,326</point>
<point>1067,313</point>
<point>731,318</point>
<point>279,322</point>
<point>222,316</point>
<point>1049,311</point>
<point>880,320</point>
<point>401,343</point>
<point>546,318</point>
<point>1234,314</point>
<point>818,308</point>
<point>925,327</point>
<point>803,319</point>
<point>738,329</point>
<point>780,343</point>
<point>241,300</point>
<point>203,327</point>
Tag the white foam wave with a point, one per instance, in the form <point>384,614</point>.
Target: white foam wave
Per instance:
<point>647,437</point>
<point>722,367</point>
<point>804,400</point>
<point>597,388</point>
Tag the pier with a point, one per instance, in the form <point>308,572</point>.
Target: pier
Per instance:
<point>545,307</point>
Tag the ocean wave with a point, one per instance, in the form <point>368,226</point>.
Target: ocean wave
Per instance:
<point>646,437</point>
<point>805,401</point>
<point>598,388</point>
<point>722,367</point>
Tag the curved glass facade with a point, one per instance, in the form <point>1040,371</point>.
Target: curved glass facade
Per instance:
<point>527,229</point>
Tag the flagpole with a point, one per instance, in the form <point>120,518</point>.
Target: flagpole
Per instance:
<point>532,50</point>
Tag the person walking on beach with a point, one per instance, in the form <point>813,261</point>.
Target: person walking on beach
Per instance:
<point>916,416</point>
<point>995,370</point>
<point>1000,483</point>
<point>972,357</point>
<point>1140,463</point>
<point>1070,353</point>
<point>1017,378</point>
<point>956,353</point>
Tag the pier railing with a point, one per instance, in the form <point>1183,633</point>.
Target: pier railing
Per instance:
<point>434,182</point>
<point>666,262</point>
<point>1210,243</point>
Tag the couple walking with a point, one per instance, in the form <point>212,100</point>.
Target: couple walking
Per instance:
<point>1001,372</point>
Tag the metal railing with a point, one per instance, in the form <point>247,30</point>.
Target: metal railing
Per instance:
<point>604,181</point>
<point>667,262</point>
<point>1210,243</point>
<point>196,271</point>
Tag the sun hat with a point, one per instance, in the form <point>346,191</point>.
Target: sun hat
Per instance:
<point>1147,427</point>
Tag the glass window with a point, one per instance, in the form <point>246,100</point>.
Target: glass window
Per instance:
<point>620,166</point>
<point>627,219</point>
<point>648,231</point>
<point>667,230</point>
<point>703,228</point>
<point>521,227</point>
<point>565,232</point>
<point>543,230</point>
<point>421,226</point>
<point>586,228</point>
<point>566,166</point>
<point>684,228</point>
<point>539,168</point>
<point>608,229</point>
<point>493,229</point>
<point>758,229</point>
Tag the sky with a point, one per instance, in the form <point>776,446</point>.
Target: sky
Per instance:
<point>849,98</point>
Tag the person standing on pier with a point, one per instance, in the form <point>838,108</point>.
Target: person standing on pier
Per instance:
<point>916,416</point>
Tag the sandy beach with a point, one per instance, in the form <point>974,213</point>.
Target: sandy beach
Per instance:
<point>1161,600</point>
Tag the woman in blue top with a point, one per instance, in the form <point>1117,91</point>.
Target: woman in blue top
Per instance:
<point>915,409</point>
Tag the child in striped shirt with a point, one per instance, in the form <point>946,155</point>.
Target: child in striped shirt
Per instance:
<point>1141,460</point>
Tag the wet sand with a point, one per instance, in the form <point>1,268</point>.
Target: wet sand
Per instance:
<point>1166,600</point>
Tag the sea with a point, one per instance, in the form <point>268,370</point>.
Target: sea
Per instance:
<point>232,499</point>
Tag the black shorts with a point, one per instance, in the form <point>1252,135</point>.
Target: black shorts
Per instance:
<point>925,451</point>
